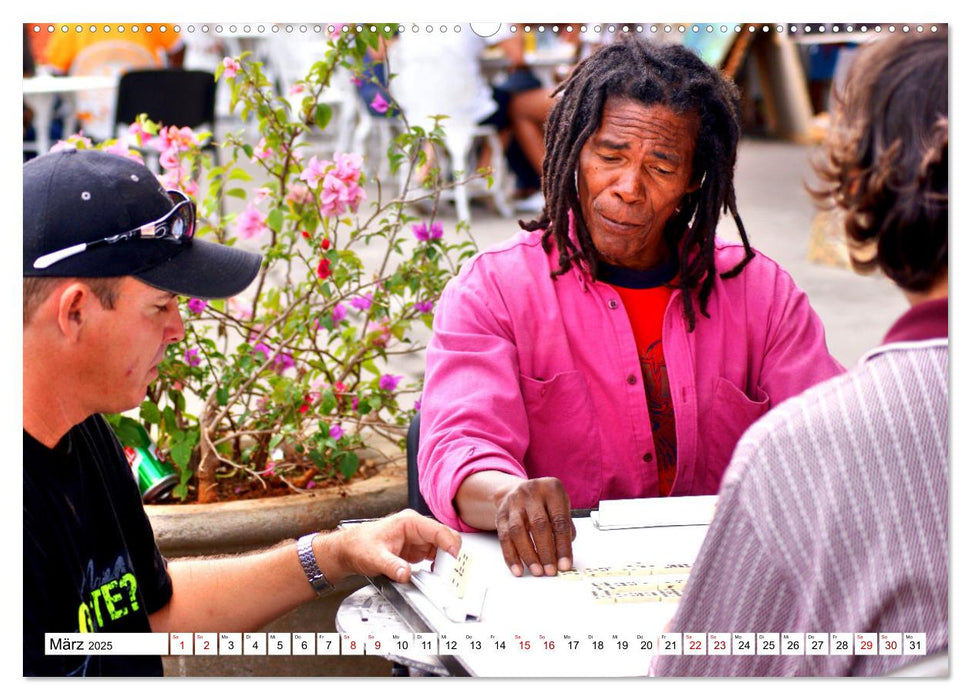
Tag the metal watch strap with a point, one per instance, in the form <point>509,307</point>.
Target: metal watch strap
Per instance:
<point>308,560</point>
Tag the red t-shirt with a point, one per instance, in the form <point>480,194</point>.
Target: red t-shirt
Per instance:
<point>645,294</point>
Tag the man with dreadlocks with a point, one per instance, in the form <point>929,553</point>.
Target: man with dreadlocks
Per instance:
<point>615,348</point>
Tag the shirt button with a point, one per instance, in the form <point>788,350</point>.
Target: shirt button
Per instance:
<point>631,379</point>
<point>648,457</point>
<point>612,304</point>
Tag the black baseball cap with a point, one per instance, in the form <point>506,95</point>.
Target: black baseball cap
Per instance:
<point>76,197</point>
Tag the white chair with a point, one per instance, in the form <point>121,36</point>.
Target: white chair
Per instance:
<point>439,74</point>
<point>95,109</point>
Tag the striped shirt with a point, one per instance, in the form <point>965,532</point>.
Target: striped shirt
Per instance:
<point>833,516</point>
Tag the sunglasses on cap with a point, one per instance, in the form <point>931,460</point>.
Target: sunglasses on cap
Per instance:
<point>177,226</point>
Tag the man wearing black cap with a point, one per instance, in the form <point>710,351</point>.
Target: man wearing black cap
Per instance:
<point>107,252</point>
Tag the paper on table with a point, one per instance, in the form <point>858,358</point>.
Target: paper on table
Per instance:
<point>654,512</point>
<point>451,587</point>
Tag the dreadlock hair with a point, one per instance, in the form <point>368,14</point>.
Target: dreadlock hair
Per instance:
<point>674,77</point>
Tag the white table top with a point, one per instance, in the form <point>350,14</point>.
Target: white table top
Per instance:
<point>48,84</point>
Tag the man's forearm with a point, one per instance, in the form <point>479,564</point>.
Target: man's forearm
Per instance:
<point>242,593</point>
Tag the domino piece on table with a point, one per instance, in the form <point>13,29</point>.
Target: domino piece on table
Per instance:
<point>624,585</point>
<point>672,569</point>
<point>571,574</point>
<point>637,597</point>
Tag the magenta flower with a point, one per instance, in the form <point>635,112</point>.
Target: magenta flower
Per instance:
<point>357,81</point>
<point>315,171</point>
<point>192,357</point>
<point>251,222</point>
<point>230,67</point>
<point>196,306</point>
<point>295,89</point>
<point>282,362</point>
<point>418,404</point>
<point>363,303</point>
<point>339,313</point>
<point>262,349</point>
<point>336,431</point>
<point>424,307</point>
<point>379,104</point>
<point>169,159</point>
<point>436,230</point>
<point>389,382</point>
<point>420,231</point>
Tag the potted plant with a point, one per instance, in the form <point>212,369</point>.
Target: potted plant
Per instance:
<point>286,386</point>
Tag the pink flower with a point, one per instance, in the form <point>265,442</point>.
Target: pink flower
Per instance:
<point>239,309</point>
<point>262,151</point>
<point>251,222</point>
<point>179,139</point>
<point>299,193</point>
<point>383,331</point>
<point>191,188</point>
<point>196,306</point>
<point>420,231</point>
<point>333,198</point>
<point>121,148</point>
<point>315,171</point>
<point>192,358</point>
<point>71,143</point>
<point>339,313</point>
<point>261,193</point>
<point>424,307</point>
<point>142,136</point>
<point>388,382</point>
<point>230,67</point>
<point>357,81</point>
<point>169,159</point>
<point>262,349</point>
<point>348,166</point>
<point>295,89</point>
<point>436,230</point>
<point>311,484</point>
<point>418,404</point>
<point>336,431</point>
<point>363,303</point>
<point>379,104</point>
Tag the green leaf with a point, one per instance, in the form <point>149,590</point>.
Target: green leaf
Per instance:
<point>348,463</point>
<point>322,117</point>
<point>180,453</point>
<point>328,402</point>
<point>149,412</point>
<point>275,220</point>
<point>130,432</point>
<point>222,395</point>
<point>236,192</point>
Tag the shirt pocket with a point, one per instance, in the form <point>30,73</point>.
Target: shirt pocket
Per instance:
<point>731,414</point>
<point>564,437</point>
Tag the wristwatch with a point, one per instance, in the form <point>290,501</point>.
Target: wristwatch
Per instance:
<point>308,560</point>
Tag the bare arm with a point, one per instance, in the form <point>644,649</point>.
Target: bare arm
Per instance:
<point>245,593</point>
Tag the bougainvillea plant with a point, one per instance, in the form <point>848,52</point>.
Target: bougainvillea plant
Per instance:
<point>288,381</point>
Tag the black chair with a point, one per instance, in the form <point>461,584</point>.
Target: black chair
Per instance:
<point>415,500</point>
<point>172,96</point>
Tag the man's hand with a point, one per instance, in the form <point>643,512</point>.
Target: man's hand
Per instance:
<point>534,527</point>
<point>387,546</point>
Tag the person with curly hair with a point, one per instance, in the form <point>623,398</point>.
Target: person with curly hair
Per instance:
<point>833,514</point>
<point>614,348</point>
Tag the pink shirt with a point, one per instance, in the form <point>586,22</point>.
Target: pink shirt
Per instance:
<point>539,377</point>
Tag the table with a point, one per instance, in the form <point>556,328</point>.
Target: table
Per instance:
<point>39,93</point>
<point>538,610</point>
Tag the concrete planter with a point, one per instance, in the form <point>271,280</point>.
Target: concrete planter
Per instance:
<point>223,528</point>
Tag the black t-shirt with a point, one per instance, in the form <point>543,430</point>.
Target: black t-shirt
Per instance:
<point>90,559</point>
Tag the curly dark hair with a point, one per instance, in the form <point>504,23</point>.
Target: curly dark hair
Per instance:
<point>673,77</point>
<point>884,163</point>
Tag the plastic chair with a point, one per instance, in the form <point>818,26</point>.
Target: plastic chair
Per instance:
<point>446,80</point>
<point>415,500</point>
<point>172,96</point>
<point>113,57</point>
